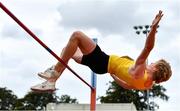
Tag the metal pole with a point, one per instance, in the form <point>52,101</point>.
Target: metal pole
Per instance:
<point>93,84</point>
<point>148,108</point>
<point>40,42</point>
<point>146,31</point>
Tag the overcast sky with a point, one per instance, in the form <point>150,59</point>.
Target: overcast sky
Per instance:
<point>111,21</point>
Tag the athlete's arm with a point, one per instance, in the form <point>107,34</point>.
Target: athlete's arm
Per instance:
<point>121,82</point>
<point>138,69</point>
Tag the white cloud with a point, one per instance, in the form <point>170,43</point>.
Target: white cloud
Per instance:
<point>108,17</point>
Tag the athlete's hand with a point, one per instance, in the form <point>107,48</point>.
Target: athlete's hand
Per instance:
<point>157,19</point>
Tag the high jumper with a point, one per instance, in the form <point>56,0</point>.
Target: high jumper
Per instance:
<point>128,73</point>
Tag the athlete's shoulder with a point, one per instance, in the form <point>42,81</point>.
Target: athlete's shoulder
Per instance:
<point>127,57</point>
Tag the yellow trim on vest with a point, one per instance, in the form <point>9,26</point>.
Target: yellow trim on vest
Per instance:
<point>119,66</point>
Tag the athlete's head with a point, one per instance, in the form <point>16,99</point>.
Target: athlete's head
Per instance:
<point>162,71</point>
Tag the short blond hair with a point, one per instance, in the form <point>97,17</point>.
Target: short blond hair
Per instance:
<point>163,72</point>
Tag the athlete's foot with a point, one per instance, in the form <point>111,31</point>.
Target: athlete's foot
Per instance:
<point>44,87</point>
<point>50,73</point>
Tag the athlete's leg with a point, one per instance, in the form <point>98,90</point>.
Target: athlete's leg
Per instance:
<point>77,44</point>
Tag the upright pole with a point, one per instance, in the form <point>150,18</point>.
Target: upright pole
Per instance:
<point>93,91</point>
<point>148,107</point>
<point>144,29</point>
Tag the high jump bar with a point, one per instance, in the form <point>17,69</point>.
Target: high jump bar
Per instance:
<point>41,43</point>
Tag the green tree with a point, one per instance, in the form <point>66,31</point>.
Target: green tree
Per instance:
<point>117,94</point>
<point>31,101</point>
<point>7,99</point>
<point>34,101</point>
<point>67,99</point>
<point>37,101</point>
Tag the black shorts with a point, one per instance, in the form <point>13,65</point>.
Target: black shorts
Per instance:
<point>97,61</point>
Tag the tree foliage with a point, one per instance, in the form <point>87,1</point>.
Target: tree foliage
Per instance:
<point>7,99</point>
<point>67,99</point>
<point>38,101</point>
<point>31,101</point>
<point>117,94</point>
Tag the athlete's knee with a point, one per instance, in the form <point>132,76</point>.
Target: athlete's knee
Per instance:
<point>76,35</point>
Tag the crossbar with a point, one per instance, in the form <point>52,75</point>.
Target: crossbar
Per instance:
<point>41,43</point>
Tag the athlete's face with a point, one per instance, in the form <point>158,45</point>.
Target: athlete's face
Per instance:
<point>151,67</point>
